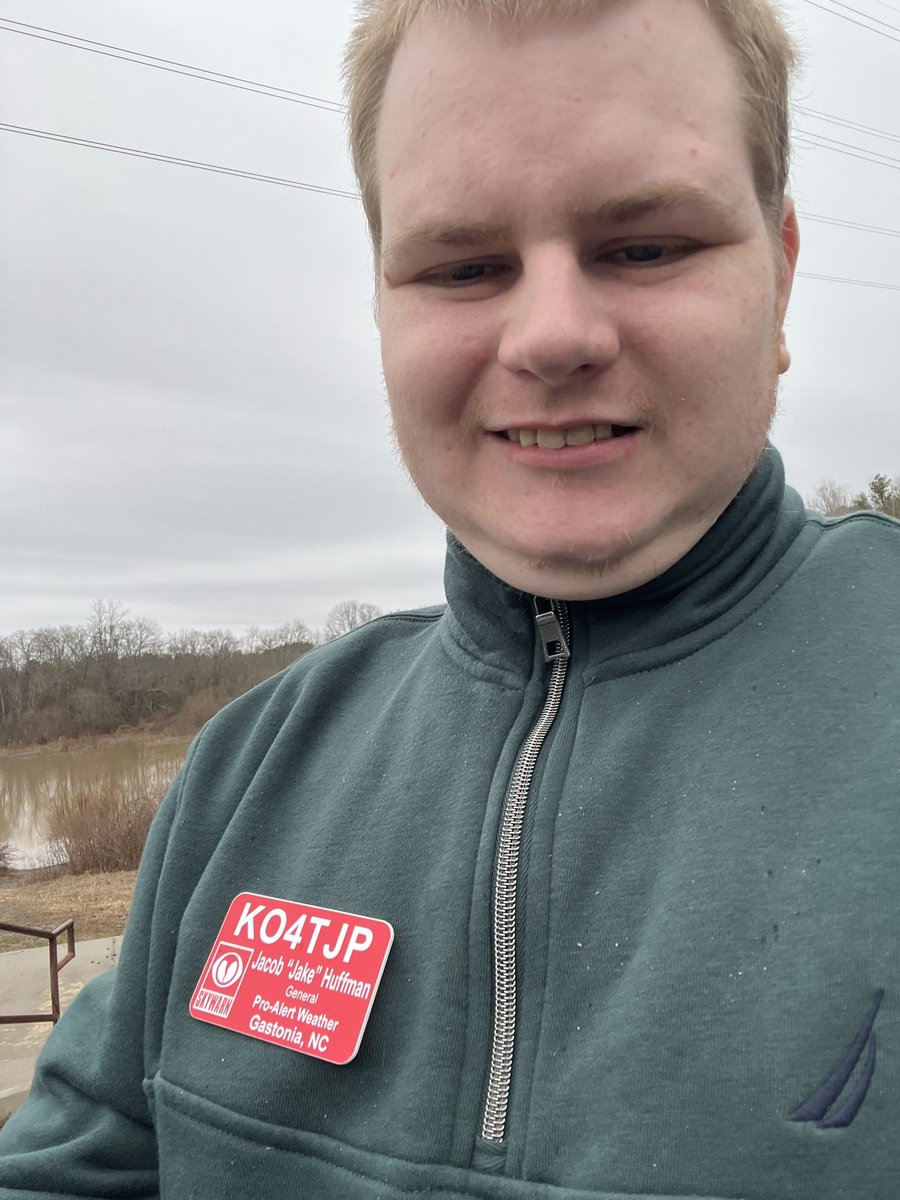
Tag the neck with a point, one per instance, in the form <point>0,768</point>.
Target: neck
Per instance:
<point>599,579</point>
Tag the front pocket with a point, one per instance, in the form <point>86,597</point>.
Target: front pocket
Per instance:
<point>207,1152</point>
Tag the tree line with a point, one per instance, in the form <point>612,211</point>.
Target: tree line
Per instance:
<point>117,671</point>
<point>835,500</point>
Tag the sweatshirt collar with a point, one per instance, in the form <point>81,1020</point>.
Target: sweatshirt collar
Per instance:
<point>677,608</point>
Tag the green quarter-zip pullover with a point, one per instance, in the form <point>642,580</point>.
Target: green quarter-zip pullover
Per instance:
<point>693,989</point>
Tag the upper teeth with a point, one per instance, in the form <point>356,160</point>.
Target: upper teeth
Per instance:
<point>555,439</point>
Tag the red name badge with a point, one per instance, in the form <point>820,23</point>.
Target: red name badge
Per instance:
<point>294,975</point>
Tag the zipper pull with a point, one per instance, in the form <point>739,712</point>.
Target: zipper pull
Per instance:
<point>550,632</point>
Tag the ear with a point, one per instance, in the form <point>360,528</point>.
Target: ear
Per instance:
<point>789,249</point>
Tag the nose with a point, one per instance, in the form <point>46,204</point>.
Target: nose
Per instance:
<point>559,325</point>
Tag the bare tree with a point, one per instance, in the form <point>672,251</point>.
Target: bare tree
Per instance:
<point>347,615</point>
<point>141,635</point>
<point>8,678</point>
<point>831,499</point>
<point>184,643</point>
<point>107,625</point>
<point>291,633</point>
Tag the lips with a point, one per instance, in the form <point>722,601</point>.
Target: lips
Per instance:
<point>572,435</point>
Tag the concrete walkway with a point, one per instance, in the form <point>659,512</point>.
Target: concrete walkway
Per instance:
<point>25,987</point>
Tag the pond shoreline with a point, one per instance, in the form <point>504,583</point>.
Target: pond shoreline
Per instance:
<point>58,801</point>
<point>93,741</point>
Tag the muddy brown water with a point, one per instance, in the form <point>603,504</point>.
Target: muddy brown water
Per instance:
<point>30,781</point>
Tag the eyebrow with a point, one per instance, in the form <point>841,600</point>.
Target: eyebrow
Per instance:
<point>617,210</point>
<point>436,233</point>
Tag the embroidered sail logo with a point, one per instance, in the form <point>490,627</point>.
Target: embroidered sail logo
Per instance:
<point>825,1107</point>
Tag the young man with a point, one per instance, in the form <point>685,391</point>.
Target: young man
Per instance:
<point>628,802</point>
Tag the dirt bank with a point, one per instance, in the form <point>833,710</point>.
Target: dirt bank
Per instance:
<point>94,741</point>
<point>99,904</point>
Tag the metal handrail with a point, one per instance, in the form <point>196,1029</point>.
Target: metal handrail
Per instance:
<point>56,965</point>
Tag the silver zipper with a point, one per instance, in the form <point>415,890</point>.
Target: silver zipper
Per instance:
<point>552,622</point>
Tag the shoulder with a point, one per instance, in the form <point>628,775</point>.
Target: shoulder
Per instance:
<point>337,664</point>
<point>863,539</point>
<point>351,672</point>
<point>850,574</point>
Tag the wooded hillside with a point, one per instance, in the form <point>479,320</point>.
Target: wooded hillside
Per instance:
<point>118,671</point>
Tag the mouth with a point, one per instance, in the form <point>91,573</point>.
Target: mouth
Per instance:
<point>573,435</point>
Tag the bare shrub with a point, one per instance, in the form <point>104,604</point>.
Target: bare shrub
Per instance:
<point>198,709</point>
<point>5,858</point>
<point>102,826</point>
<point>92,711</point>
<point>39,726</point>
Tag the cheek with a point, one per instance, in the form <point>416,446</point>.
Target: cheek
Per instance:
<point>711,342</point>
<point>431,370</point>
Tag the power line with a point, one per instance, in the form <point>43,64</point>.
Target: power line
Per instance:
<point>868,16</point>
<point>865,156</point>
<point>74,42</point>
<point>884,4</point>
<point>171,66</point>
<point>850,224</point>
<point>817,114</point>
<point>844,17</point>
<point>822,137</point>
<point>888,287</point>
<point>130,152</point>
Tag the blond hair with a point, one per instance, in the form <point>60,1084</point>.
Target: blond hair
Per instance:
<point>762,49</point>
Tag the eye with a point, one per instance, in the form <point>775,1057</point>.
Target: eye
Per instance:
<point>465,274</point>
<point>648,254</point>
<point>643,254</point>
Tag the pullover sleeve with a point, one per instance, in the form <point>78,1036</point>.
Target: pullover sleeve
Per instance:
<point>86,1129</point>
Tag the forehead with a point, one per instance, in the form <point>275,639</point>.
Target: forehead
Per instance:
<point>639,91</point>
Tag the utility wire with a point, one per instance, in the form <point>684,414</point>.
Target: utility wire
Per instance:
<point>804,216</point>
<point>868,16</point>
<point>827,8</point>
<point>851,150</point>
<point>835,150</point>
<point>74,42</point>
<point>179,162</point>
<point>816,114</point>
<point>874,154</point>
<point>888,287</point>
<point>171,66</point>
<point>884,4</point>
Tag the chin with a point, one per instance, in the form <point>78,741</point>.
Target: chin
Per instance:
<point>573,573</point>
<point>589,569</point>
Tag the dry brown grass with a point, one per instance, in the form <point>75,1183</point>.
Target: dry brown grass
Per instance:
<point>99,904</point>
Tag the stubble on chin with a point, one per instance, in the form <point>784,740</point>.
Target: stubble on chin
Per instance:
<point>579,565</point>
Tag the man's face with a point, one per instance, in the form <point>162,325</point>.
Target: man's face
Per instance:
<point>573,248</point>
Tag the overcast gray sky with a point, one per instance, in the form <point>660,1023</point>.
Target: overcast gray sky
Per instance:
<point>192,419</point>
